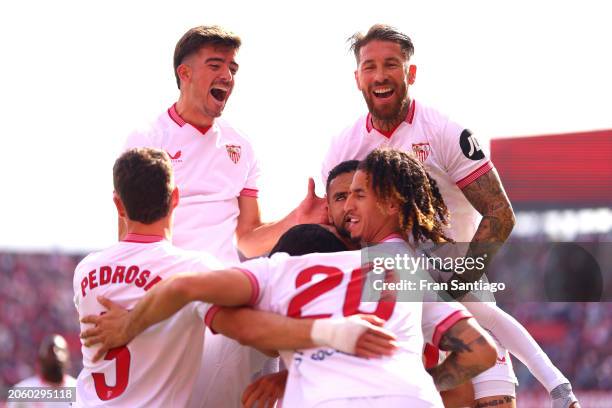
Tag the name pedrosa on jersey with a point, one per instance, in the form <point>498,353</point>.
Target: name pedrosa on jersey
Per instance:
<point>118,274</point>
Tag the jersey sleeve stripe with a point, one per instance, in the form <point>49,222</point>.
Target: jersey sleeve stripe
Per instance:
<point>447,323</point>
<point>473,176</point>
<point>249,192</point>
<point>254,286</point>
<point>210,316</point>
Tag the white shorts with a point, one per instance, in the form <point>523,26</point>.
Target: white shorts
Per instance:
<point>493,388</point>
<point>501,372</point>
<point>386,402</point>
<point>227,369</point>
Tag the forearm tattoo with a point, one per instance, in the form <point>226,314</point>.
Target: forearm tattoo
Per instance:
<point>452,372</point>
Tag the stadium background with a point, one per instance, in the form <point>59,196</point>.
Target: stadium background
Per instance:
<point>92,72</point>
<point>36,288</point>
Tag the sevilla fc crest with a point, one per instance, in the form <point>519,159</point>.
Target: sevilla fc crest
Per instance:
<point>234,152</point>
<point>421,151</point>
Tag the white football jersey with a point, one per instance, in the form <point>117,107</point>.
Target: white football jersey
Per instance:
<point>212,167</point>
<point>449,152</point>
<point>331,285</point>
<point>158,367</point>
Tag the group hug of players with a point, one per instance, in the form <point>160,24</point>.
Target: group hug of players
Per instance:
<point>186,195</point>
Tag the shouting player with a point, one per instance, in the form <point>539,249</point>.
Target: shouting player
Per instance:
<point>481,214</point>
<point>217,172</point>
<point>158,368</point>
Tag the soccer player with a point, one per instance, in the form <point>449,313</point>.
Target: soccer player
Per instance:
<point>158,368</point>
<point>52,364</point>
<point>480,211</point>
<point>324,285</point>
<point>337,188</point>
<point>217,172</point>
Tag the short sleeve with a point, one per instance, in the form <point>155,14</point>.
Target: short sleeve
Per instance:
<point>201,309</point>
<point>138,139</point>
<point>438,317</point>
<point>462,156</point>
<point>251,186</point>
<point>258,272</point>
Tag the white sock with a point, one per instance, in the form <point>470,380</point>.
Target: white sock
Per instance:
<point>517,340</point>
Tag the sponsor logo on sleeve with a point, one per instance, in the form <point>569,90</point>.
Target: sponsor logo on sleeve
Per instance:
<point>469,146</point>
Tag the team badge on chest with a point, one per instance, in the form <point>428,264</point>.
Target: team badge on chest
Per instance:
<point>233,152</point>
<point>421,151</point>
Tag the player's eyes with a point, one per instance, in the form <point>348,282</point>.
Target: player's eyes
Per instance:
<point>214,67</point>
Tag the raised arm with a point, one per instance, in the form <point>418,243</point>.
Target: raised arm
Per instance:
<point>472,352</point>
<point>256,238</point>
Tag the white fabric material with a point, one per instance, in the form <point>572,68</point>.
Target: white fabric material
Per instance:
<point>518,341</point>
<point>209,181</point>
<point>286,285</point>
<point>431,136</point>
<point>492,388</point>
<point>386,402</point>
<point>159,366</point>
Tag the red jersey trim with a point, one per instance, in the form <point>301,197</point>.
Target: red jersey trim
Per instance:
<point>210,316</point>
<point>249,192</point>
<point>409,119</point>
<point>392,237</point>
<point>473,176</point>
<point>142,239</point>
<point>181,122</point>
<point>447,323</point>
<point>254,286</point>
<point>432,355</point>
<point>175,116</point>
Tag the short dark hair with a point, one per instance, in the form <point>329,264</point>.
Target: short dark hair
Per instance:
<point>381,32</point>
<point>307,239</point>
<point>196,38</point>
<point>143,180</point>
<point>395,174</point>
<point>347,166</point>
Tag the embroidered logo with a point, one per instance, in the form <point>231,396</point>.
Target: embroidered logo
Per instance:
<point>233,151</point>
<point>421,151</point>
<point>176,157</point>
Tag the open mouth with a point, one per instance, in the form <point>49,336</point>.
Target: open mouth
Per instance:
<point>350,222</point>
<point>383,92</point>
<point>219,94</point>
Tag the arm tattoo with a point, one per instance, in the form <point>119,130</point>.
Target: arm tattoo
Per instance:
<point>487,196</point>
<point>452,372</point>
<point>497,402</point>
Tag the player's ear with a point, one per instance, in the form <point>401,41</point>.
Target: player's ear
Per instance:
<point>184,72</point>
<point>392,207</point>
<point>357,79</point>
<point>174,198</point>
<point>412,74</point>
<point>119,205</point>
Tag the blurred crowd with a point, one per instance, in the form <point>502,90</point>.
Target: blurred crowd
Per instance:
<point>36,299</point>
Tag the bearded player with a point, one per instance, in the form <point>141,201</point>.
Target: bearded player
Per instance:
<point>479,208</point>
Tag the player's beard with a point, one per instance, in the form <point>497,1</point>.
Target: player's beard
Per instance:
<point>393,114</point>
